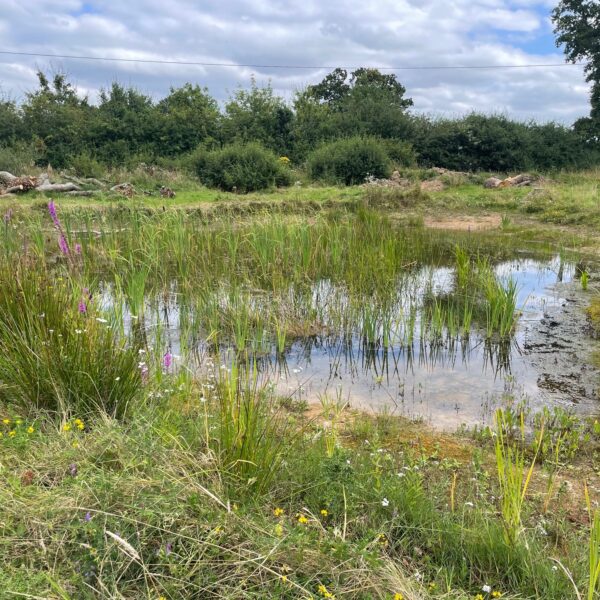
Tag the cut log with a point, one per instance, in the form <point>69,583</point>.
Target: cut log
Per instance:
<point>58,187</point>
<point>7,178</point>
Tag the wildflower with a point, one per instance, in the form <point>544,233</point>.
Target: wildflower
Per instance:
<point>12,433</point>
<point>67,427</point>
<point>324,512</point>
<point>496,594</point>
<point>88,517</point>
<point>167,359</point>
<point>486,589</point>
<point>77,248</point>
<point>75,444</point>
<point>79,424</point>
<point>398,596</point>
<point>6,421</point>
<point>19,421</point>
<point>63,244</point>
<point>73,470</point>
<point>279,530</point>
<point>168,548</point>
<point>30,429</point>
<point>284,578</point>
<point>100,320</point>
<point>82,308</point>
<point>278,512</point>
<point>432,586</point>
<point>385,502</point>
<point>479,597</point>
<point>302,520</point>
<point>325,592</point>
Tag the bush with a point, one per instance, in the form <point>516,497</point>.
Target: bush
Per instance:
<point>85,165</point>
<point>401,153</point>
<point>241,167</point>
<point>17,159</point>
<point>350,161</point>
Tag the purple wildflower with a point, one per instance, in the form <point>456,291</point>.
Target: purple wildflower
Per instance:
<point>77,248</point>
<point>167,359</point>
<point>82,307</point>
<point>52,211</point>
<point>88,517</point>
<point>168,548</point>
<point>63,244</point>
<point>73,471</point>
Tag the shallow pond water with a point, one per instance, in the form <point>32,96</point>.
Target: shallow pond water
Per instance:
<point>447,382</point>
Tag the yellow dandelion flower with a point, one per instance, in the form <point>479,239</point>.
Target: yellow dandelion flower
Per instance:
<point>284,578</point>
<point>67,427</point>
<point>496,594</point>
<point>324,512</point>
<point>6,421</point>
<point>398,596</point>
<point>12,433</point>
<point>278,512</point>
<point>302,520</point>
<point>479,597</point>
<point>30,429</point>
<point>75,444</point>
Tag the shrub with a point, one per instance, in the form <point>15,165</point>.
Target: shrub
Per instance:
<point>241,167</point>
<point>17,159</point>
<point>349,161</point>
<point>401,153</point>
<point>85,165</point>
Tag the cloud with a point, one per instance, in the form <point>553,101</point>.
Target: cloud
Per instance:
<point>350,33</point>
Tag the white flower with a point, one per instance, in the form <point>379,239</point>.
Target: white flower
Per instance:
<point>385,502</point>
<point>101,320</point>
<point>469,504</point>
<point>486,589</point>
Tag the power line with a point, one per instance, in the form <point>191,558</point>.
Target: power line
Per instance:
<point>257,66</point>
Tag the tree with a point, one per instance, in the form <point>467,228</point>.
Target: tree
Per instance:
<point>577,26</point>
<point>57,118</point>
<point>189,116</point>
<point>258,115</point>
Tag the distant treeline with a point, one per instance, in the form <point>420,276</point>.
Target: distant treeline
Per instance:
<point>54,125</point>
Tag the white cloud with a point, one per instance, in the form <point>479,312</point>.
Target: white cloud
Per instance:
<point>296,32</point>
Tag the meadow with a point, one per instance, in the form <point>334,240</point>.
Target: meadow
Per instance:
<point>147,452</point>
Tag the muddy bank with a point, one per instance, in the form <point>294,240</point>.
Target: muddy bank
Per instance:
<point>560,348</point>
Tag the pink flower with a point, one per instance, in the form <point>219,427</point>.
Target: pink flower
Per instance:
<point>167,359</point>
<point>82,307</point>
<point>78,248</point>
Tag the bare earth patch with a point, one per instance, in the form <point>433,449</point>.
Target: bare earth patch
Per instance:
<point>464,223</point>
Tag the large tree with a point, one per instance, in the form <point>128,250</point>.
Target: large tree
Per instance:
<point>577,27</point>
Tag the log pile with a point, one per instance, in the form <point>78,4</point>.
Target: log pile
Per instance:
<point>519,181</point>
<point>11,185</point>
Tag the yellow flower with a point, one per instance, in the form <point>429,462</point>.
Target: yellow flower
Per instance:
<point>278,512</point>
<point>324,512</point>
<point>75,444</point>
<point>324,592</point>
<point>398,596</point>
<point>284,578</point>
<point>30,429</point>
<point>67,427</point>
<point>302,520</point>
<point>496,594</point>
<point>479,597</point>
<point>19,422</point>
<point>279,530</point>
<point>6,421</point>
<point>12,433</point>
<point>79,423</point>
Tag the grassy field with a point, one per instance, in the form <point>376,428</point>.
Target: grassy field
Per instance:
<point>126,473</point>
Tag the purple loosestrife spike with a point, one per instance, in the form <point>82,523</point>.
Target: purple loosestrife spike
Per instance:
<point>63,245</point>
<point>82,308</point>
<point>52,210</point>
<point>78,248</point>
<point>167,359</point>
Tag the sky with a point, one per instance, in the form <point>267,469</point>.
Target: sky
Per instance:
<point>316,33</point>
